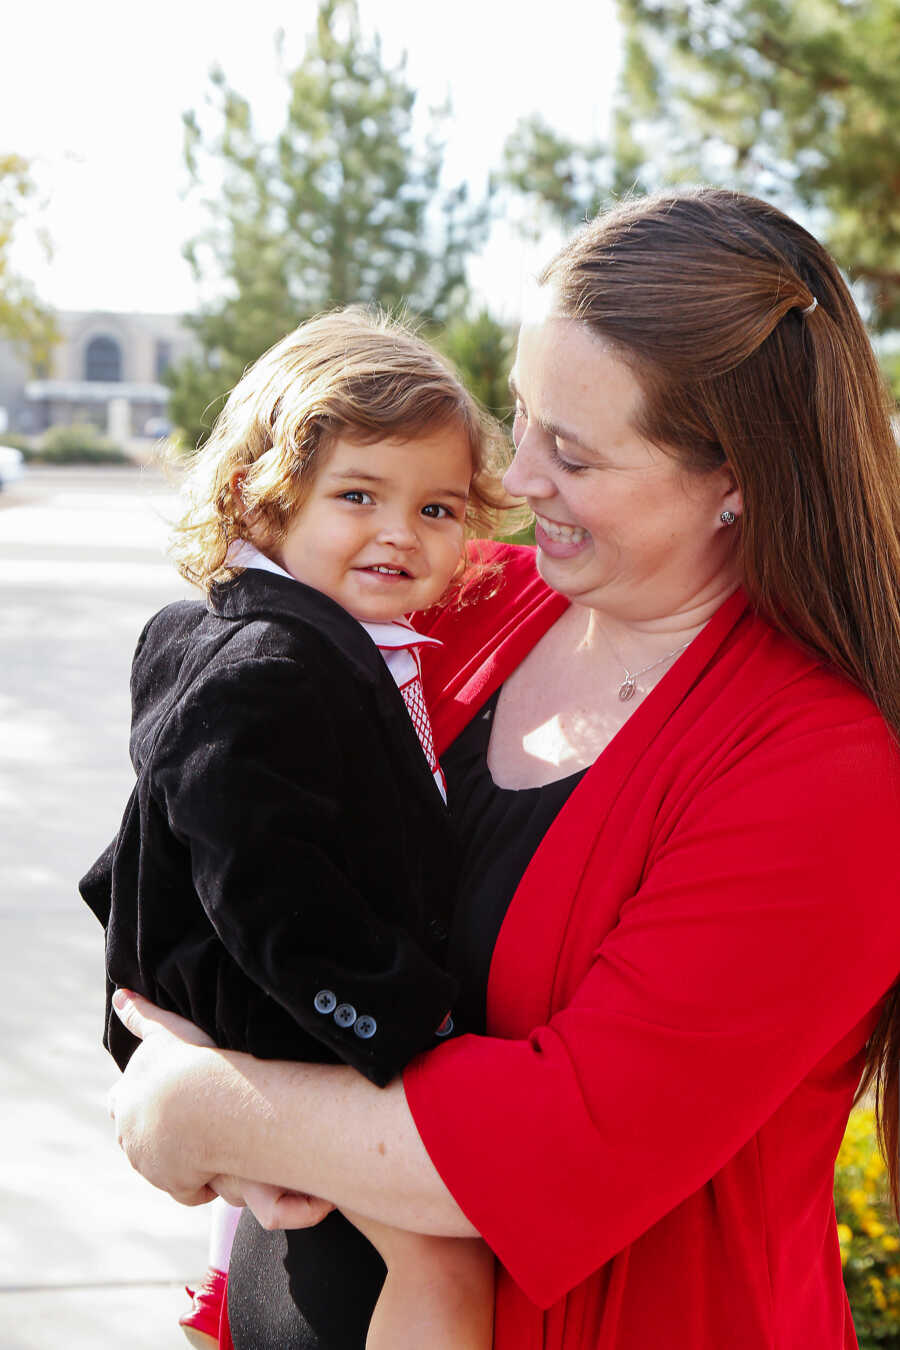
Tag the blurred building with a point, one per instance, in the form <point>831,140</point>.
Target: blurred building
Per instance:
<point>106,370</point>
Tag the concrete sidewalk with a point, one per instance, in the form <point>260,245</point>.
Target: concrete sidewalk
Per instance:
<point>90,1255</point>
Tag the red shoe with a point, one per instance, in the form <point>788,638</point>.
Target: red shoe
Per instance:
<point>201,1324</point>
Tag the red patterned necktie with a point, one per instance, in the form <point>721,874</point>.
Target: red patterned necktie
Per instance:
<point>399,644</point>
<point>414,698</point>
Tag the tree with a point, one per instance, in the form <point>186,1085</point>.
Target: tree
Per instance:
<point>342,206</point>
<point>560,179</point>
<point>24,320</point>
<point>481,348</point>
<point>799,103</point>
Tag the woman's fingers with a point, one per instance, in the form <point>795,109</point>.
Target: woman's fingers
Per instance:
<point>152,1102</point>
<point>142,1101</point>
<point>143,1018</point>
<point>275,1208</point>
<point>293,1210</point>
<point>231,1189</point>
<point>202,1195</point>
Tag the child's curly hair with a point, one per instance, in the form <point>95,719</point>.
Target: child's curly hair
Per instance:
<point>355,372</point>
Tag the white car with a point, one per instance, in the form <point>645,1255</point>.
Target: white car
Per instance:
<point>12,465</point>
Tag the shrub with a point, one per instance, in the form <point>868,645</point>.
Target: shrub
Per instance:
<point>867,1231</point>
<point>78,444</point>
<point>17,442</point>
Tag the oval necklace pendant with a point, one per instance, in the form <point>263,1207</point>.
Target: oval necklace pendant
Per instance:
<point>626,690</point>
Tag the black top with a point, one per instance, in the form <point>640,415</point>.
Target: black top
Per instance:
<point>331,1272</point>
<point>497,831</point>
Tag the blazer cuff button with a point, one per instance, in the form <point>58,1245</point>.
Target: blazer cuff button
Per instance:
<point>345,1014</point>
<point>324,1001</point>
<point>365,1027</point>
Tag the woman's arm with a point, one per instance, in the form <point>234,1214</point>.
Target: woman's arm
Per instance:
<point>187,1114</point>
<point>764,932</point>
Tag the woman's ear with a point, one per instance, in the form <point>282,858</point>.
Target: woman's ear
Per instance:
<point>732,500</point>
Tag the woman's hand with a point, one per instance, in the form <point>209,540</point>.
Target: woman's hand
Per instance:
<point>146,1102</point>
<point>191,1118</point>
<point>273,1206</point>
<point>136,1102</point>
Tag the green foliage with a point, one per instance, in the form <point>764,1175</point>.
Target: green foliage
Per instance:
<point>17,442</point>
<point>482,349</point>
<point>24,320</point>
<point>890,364</point>
<point>523,536</point>
<point>799,103</point>
<point>77,444</point>
<point>560,179</point>
<point>867,1232</point>
<point>198,390</point>
<point>341,207</point>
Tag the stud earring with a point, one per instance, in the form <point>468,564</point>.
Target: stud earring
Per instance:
<point>728,517</point>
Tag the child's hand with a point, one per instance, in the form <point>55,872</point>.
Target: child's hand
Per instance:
<point>272,1206</point>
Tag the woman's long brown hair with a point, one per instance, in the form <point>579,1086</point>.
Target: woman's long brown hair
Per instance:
<point>708,295</point>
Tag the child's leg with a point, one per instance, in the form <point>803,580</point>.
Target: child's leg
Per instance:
<point>200,1323</point>
<point>223,1226</point>
<point>438,1291</point>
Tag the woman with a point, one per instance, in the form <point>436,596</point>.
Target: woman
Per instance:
<point>673,752</point>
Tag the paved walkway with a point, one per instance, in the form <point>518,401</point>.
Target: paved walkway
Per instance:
<point>90,1255</point>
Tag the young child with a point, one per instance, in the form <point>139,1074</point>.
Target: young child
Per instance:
<point>283,874</point>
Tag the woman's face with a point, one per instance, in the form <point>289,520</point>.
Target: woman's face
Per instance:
<point>621,525</point>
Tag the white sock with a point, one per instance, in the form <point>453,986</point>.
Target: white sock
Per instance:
<point>223,1223</point>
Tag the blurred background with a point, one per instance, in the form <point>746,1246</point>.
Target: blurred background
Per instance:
<point>181,184</point>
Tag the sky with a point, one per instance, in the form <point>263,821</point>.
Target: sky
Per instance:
<point>94,94</point>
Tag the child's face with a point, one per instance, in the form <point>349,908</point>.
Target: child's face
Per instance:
<point>381,530</point>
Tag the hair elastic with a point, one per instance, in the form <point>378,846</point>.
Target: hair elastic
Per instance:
<point>809,308</point>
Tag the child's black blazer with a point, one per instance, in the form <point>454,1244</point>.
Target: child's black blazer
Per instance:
<point>283,874</point>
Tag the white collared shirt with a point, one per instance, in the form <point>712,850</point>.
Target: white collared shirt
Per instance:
<point>397,641</point>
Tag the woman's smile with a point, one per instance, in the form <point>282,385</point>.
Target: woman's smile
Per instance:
<point>558,540</point>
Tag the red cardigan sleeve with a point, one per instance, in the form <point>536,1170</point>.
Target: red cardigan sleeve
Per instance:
<point>765,928</point>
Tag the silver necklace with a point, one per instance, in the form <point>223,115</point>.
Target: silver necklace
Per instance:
<point>628,688</point>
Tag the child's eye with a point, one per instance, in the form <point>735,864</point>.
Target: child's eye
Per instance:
<point>435,511</point>
<point>357,497</point>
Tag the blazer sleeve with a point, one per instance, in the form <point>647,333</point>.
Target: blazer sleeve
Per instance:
<point>249,777</point>
<point>766,928</point>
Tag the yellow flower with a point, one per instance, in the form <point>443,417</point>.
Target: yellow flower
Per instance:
<point>845,1234</point>
<point>877,1292</point>
<point>873,1228</point>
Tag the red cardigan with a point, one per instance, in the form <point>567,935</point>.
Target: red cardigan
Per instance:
<point>679,999</point>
